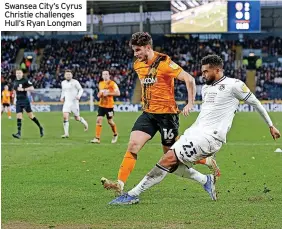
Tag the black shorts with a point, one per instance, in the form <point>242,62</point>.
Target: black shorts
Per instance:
<point>109,112</point>
<point>6,104</point>
<point>23,106</point>
<point>166,124</point>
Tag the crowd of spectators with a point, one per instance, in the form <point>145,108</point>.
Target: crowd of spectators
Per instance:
<point>88,57</point>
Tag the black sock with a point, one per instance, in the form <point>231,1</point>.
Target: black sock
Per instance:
<point>19,124</point>
<point>36,121</point>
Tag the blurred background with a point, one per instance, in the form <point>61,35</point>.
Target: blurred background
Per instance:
<point>246,34</point>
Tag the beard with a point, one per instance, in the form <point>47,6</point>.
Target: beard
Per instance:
<point>210,81</point>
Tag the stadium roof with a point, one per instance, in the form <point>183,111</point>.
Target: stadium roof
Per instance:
<point>111,7</point>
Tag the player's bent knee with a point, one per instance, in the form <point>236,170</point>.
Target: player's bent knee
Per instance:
<point>99,120</point>
<point>111,122</point>
<point>169,160</point>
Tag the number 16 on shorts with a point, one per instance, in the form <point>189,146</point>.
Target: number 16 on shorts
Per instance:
<point>168,134</point>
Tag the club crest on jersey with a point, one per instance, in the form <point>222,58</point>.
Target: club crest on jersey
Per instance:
<point>173,65</point>
<point>245,88</point>
<point>221,87</point>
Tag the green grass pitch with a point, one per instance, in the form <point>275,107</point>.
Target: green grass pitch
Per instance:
<point>55,183</point>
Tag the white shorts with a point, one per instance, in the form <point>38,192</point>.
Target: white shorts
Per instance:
<point>71,107</point>
<point>191,148</point>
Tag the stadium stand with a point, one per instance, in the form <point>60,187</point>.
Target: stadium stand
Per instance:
<point>87,57</point>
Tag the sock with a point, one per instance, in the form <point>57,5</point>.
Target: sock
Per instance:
<point>190,173</point>
<point>19,125</point>
<point>9,113</point>
<point>155,176</point>
<point>126,167</point>
<point>98,131</point>
<point>82,120</point>
<point>66,127</point>
<point>202,161</point>
<point>36,121</point>
<point>114,129</point>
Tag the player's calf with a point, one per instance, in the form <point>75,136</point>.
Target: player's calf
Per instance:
<point>82,120</point>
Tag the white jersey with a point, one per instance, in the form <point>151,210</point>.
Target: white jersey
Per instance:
<point>220,102</point>
<point>71,89</point>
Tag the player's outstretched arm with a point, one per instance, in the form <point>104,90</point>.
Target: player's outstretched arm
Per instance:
<point>252,100</point>
<point>31,88</point>
<point>242,92</point>
<point>191,88</point>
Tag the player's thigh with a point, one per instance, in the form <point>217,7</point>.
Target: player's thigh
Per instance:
<point>19,108</point>
<point>145,123</point>
<point>28,110</point>
<point>137,140</point>
<point>168,127</point>
<point>101,112</point>
<point>191,148</point>
<point>67,108</point>
<point>110,113</point>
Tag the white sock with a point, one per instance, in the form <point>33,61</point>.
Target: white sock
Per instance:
<point>190,173</point>
<point>82,120</point>
<point>155,176</point>
<point>66,127</point>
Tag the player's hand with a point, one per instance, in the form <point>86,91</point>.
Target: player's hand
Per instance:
<point>106,93</point>
<point>62,99</point>
<point>187,109</point>
<point>20,89</point>
<point>77,97</point>
<point>274,132</point>
<point>100,94</point>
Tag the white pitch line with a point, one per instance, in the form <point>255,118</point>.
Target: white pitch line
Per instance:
<point>103,144</point>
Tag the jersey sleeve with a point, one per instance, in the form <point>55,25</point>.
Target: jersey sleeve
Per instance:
<point>79,88</point>
<point>63,90</point>
<point>27,83</point>
<point>241,91</point>
<point>172,69</point>
<point>115,86</point>
<point>101,86</point>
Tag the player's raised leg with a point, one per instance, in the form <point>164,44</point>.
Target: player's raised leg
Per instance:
<point>83,121</point>
<point>98,131</point>
<point>75,111</point>
<point>210,162</point>
<point>35,120</point>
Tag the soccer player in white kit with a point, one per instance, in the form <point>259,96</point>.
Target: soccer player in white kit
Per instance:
<point>221,96</point>
<point>71,93</point>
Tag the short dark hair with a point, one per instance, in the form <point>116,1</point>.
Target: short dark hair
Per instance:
<point>68,70</point>
<point>212,60</point>
<point>19,69</point>
<point>141,39</point>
